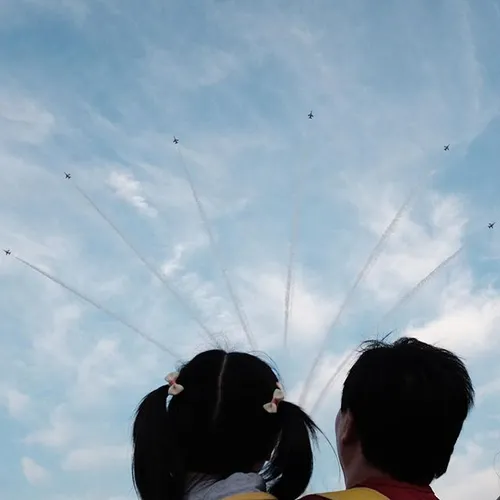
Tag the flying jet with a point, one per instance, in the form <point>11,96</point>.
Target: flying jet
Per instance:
<point>175,141</point>
<point>310,115</point>
<point>490,225</point>
<point>447,148</point>
<point>7,252</point>
<point>68,176</point>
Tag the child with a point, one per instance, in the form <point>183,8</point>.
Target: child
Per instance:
<point>226,420</point>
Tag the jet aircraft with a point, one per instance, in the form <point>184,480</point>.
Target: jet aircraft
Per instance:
<point>7,252</point>
<point>68,176</point>
<point>490,225</point>
<point>447,147</point>
<point>310,115</point>
<point>175,141</point>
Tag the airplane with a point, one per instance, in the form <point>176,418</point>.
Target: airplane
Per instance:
<point>491,224</point>
<point>447,148</point>
<point>310,115</point>
<point>7,252</point>
<point>175,141</point>
<point>68,176</point>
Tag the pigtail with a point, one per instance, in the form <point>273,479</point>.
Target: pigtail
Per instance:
<point>291,465</point>
<point>157,467</point>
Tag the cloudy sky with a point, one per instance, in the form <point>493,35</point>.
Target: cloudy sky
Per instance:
<point>99,88</point>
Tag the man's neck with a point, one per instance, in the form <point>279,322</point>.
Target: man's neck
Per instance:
<point>366,476</point>
<point>359,472</point>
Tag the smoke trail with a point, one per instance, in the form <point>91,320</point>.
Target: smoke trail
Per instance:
<point>289,276</point>
<point>364,271</point>
<point>407,296</point>
<point>99,307</point>
<point>158,275</point>
<point>331,380</point>
<point>204,219</point>
<point>297,191</point>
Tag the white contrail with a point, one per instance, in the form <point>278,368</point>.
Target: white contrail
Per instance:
<point>331,380</point>
<point>154,271</point>
<point>297,193</point>
<point>407,296</point>
<point>289,276</point>
<point>100,307</point>
<point>349,357</point>
<point>372,258</point>
<point>225,273</point>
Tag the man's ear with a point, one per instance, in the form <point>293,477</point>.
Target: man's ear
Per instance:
<point>347,429</point>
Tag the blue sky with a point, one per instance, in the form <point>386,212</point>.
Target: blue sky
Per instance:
<point>98,89</point>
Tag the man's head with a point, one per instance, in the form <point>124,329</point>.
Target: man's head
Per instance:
<point>402,410</point>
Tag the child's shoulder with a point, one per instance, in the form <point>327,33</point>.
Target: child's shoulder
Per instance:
<point>251,495</point>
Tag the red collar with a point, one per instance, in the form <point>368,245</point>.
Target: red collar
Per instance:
<point>396,490</point>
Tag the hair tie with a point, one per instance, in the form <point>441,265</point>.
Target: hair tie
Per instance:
<point>174,388</point>
<point>278,396</point>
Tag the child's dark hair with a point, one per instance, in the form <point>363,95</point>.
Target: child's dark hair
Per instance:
<point>218,426</point>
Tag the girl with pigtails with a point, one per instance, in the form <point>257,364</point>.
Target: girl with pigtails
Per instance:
<point>221,427</point>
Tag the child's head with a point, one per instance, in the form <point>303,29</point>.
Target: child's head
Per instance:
<point>217,425</point>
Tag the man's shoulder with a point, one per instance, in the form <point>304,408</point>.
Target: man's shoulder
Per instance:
<point>350,494</point>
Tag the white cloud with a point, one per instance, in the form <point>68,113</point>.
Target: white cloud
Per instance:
<point>325,387</point>
<point>76,9</point>
<point>416,247</point>
<point>97,457</point>
<point>33,472</point>
<point>492,387</point>
<point>238,99</point>
<point>174,264</point>
<point>202,67</point>
<point>23,119</point>
<point>467,321</point>
<point>53,341</point>
<point>16,402</point>
<point>470,474</point>
<point>130,190</point>
<point>106,368</point>
<point>311,309</point>
<point>181,252</point>
<point>58,433</point>
<point>93,494</point>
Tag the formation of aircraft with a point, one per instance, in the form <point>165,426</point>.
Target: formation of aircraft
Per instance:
<point>7,252</point>
<point>491,224</point>
<point>447,147</point>
<point>175,141</point>
<point>68,176</point>
<point>310,115</point>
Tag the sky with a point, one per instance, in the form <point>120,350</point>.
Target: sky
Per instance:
<point>98,89</point>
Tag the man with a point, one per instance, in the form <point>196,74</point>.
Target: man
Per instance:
<point>402,409</point>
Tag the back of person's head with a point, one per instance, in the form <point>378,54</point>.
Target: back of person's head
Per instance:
<point>216,426</point>
<point>407,402</point>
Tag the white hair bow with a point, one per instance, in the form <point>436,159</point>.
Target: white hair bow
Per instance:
<point>278,396</point>
<point>174,388</point>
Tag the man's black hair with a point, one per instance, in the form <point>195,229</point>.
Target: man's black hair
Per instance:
<point>408,401</point>
<point>217,426</point>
